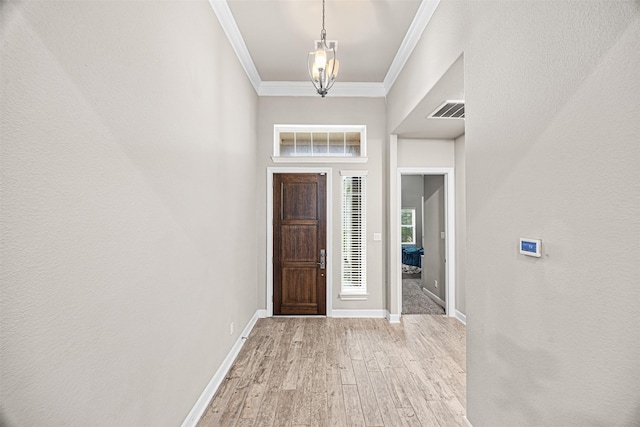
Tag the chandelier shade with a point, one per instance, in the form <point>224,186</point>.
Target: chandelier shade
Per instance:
<point>322,64</point>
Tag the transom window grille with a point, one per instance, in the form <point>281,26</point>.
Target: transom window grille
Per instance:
<point>354,235</point>
<point>313,141</point>
<point>408,226</point>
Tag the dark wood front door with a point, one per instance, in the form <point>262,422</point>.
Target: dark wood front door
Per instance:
<point>299,243</point>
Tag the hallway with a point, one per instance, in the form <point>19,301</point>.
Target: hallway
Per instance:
<point>329,371</point>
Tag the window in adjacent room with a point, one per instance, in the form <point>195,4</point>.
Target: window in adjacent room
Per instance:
<point>354,235</point>
<point>408,226</point>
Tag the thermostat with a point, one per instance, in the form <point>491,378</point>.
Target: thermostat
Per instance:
<point>530,247</point>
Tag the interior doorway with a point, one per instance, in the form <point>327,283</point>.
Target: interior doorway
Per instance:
<point>423,239</point>
<point>437,230</point>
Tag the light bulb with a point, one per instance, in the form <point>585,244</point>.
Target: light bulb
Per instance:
<point>333,67</point>
<point>315,73</point>
<point>320,59</point>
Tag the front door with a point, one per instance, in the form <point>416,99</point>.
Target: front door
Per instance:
<point>299,243</point>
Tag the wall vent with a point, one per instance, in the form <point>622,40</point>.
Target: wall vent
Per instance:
<point>448,110</point>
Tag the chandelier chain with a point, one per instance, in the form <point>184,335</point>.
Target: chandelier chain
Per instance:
<point>323,16</point>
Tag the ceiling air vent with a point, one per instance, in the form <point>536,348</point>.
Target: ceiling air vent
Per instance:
<point>448,110</point>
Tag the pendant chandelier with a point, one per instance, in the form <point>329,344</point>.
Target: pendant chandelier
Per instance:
<point>322,63</point>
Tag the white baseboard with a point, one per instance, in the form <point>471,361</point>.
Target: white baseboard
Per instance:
<point>435,297</point>
<point>210,390</point>
<point>392,318</point>
<point>359,313</point>
<point>461,317</point>
<point>466,421</point>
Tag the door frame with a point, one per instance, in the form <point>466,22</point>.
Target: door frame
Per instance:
<point>450,230</point>
<point>328,171</point>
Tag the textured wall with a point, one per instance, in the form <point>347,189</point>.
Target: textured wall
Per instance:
<point>425,153</point>
<point>461,225</point>
<point>125,251</point>
<point>541,330</point>
<point>552,130</point>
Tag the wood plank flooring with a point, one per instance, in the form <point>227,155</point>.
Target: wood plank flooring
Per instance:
<point>346,372</point>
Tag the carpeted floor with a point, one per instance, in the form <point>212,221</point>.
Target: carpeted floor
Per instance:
<point>415,300</point>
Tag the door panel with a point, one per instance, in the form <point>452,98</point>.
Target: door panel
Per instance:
<point>299,201</point>
<point>299,291</point>
<point>299,243</point>
<point>299,236</point>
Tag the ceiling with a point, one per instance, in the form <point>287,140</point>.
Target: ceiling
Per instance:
<point>273,38</point>
<point>279,35</point>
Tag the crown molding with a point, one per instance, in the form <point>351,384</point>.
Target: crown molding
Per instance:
<point>417,27</point>
<point>230,27</point>
<point>305,88</point>
<point>340,89</point>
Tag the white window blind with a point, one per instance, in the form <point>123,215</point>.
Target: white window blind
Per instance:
<point>354,234</point>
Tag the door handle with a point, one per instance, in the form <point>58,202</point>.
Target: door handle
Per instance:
<point>323,256</point>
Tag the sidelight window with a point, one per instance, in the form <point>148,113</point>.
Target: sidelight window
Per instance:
<point>354,235</point>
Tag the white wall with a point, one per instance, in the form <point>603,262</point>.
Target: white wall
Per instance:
<point>435,252</point>
<point>552,129</point>
<point>125,253</point>
<point>461,225</point>
<point>353,111</point>
<point>425,153</point>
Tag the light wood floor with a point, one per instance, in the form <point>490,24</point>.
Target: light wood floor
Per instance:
<point>346,372</point>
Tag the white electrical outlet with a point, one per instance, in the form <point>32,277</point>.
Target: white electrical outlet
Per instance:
<point>436,283</point>
<point>231,328</point>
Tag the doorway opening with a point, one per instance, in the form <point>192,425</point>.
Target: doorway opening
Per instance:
<point>423,239</point>
<point>426,241</point>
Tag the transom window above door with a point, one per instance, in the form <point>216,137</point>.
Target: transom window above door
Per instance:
<point>319,143</point>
